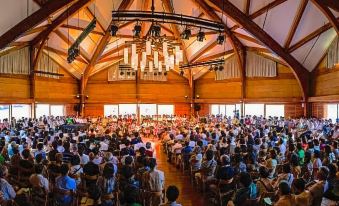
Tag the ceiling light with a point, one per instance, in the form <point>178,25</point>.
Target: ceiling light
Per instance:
<point>221,67</point>
<point>137,30</point>
<point>182,72</point>
<point>155,30</point>
<point>215,67</point>
<point>186,34</point>
<point>220,39</point>
<point>211,68</point>
<point>114,30</point>
<point>165,73</point>
<point>122,73</point>
<point>201,36</point>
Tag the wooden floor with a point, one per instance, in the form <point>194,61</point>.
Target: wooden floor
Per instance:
<point>189,196</point>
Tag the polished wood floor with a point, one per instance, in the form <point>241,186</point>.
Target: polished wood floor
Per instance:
<point>189,196</point>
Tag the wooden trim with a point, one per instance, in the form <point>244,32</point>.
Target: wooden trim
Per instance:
<point>266,8</point>
<point>15,76</point>
<point>329,15</point>
<point>250,100</point>
<point>327,98</point>
<point>31,21</point>
<point>301,73</point>
<point>295,24</point>
<point>247,7</point>
<point>309,37</point>
<point>248,38</point>
<point>333,4</point>
<point>15,100</point>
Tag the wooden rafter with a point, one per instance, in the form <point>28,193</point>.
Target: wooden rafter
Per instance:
<point>112,51</point>
<point>35,30</point>
<point>329,15</point>
<point>309,37</point>
<point>110,59</point>
<point>266,8</point>
<point>125,4</point>
<point>31,21</point>
<point>216,56</point>
<point>166,29</point>
<point>81,29</point>
<point>258,49</point>
<point>89,13</point>
<point>145,7</point>
<point>248,38</point>
<point>71,41</point>
<point>333,4</point>
<point>299,71</point>
<point>64,54</point>
<point>295,24</point>
<point>247,7</point>
<point>210,45</point>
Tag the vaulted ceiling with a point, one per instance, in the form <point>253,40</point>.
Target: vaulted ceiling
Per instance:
<point>301,30</point>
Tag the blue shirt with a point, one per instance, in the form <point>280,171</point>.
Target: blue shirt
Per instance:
<point>65,183</point>
<point>7,190</point>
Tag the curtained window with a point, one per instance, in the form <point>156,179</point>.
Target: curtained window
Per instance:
<point>16,62</point>
<point>258,66</point>
<point>231,69</point>
<point>333,54</point>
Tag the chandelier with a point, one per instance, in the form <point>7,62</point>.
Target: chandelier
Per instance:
<point>156,52</point>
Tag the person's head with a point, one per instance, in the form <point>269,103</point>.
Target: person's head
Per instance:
<point>108,171</point>
<point>245,179</point>
<point>64,169</point>
<point>332,170</point>
<point>225,160</point>
<point>58,157</point>
<point>128,160</point>
<point>264,172</point>
<point>40,146</point>
<point>91,156</point>
<point>172,193</point>
<point>3,171</point>
<point>142,150</point>
<point>75,160</point>
<point>25,153</point>
<point>152,163</point>
<point>38,168</point>
<point>66,145</point>
<point>287,168</point>
<point>284,188</point>
<point>298,185</point>
<point>322,173</point>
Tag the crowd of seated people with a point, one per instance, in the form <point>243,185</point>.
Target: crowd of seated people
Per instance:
<point>259,161</point>
<point>236,161</point>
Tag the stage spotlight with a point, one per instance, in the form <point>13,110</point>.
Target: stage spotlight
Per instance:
<point>159,73</point>
<point>182,72</point>
<point>186,34</point>
<point>221,67</point>
<point>215,67</point>
<point>122,73</point>
<point>133,73</point>
<point>137,30</point>
<point>155,73</point>
<point>165,73</point>
<point>155,30</point>
<point>128,73</point>
<point>220,39</point>
<point>201,36</point>
<point>114,30</point>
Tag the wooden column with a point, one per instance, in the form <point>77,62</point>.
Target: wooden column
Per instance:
<point>32,79</point>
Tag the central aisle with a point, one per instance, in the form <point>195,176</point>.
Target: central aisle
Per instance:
<point>189,196</point>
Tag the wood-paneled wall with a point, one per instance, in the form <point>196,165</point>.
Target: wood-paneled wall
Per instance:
<point>14,88</point>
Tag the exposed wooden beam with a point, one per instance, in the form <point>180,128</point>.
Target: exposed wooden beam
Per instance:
<point>80,29</point>
<point>31,21</point>
<point>248,38</point>
<point>112,51</point>
<point>71,41</point>
<point>109,59</point>
<point>35,30</point>
<point>309,37</point>
<point>216,56</point>
<point>333,4</point>
<point>89,13</point>
<point>247,7</point>
<point>258,49</point>
<point>145,7</point>
<point>266,8</point>
<point>60,19</point>
<point>206,33</point>
<point>64,54</point>
<point>19,43</point>
<point>271,58</point>
<point>329,15</point>
<point>295,24</point>
<point>210,45</point>
<point>301,73</point>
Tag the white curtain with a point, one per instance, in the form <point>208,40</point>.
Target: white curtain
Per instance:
<point>116,74</point>
<point>47,64</point>
<point>16,62</point>
<point>258,66</point>
<point>231,69</point>
<point>333,54</point>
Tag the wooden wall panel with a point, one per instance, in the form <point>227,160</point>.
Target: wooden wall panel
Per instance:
<point>318,110</point>
<point>182,109</point>
<point>14,88</point>
<point>326,81</point>
<point>94,110</point>
<point>294,110</point>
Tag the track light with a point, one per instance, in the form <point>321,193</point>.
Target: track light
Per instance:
<point>128,73</point>
<point>114,30</point>
<point>165,73</point>
<point>133,73</point>
<point>211,68</point>
<point>155,73</point>
<point>186,34</point>
<point>201,36</point>
<point>220,39</point>
<point>155,30</point>
<point>221,67</point>
<point>137,30</point>
<point>215,67</point>
<point>122,73</point>
<point>182,72</point>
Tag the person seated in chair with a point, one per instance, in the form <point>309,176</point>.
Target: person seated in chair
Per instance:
<point>7,192</point>
<point>172,194</point>
<point>302,196</point>
<point>64,183</point>
<point>38,180</point>
<point>286,198</point>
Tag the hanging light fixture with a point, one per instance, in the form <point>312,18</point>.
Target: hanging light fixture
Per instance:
<point>220,39</point>
<point>155,30</point>
<point>156,59</point>
<point>201,36</point>
<point>114,30</point>
<point>137,30</point>
<point>150,66</point>
<point>186,34</point>
<point>160,66</point>
<point>148,47</point>
<point>125,55</point>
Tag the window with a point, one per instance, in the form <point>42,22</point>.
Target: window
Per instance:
<point>57,110</point>
<point>41,110</point>
<point>148,109</point>
<point>275,110</point>
<point>21,110</point>
<point>112,109</point>
<point>254,109</point>
<point>165,109</point>
<point>125,109</point>
<point>224,109</point>
<point>332,112</point>
<point>4,112</point>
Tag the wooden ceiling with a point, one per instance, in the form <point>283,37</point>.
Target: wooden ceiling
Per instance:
<point>297,31</point>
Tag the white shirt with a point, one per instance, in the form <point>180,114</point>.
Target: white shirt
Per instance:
<point>84,159</point>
